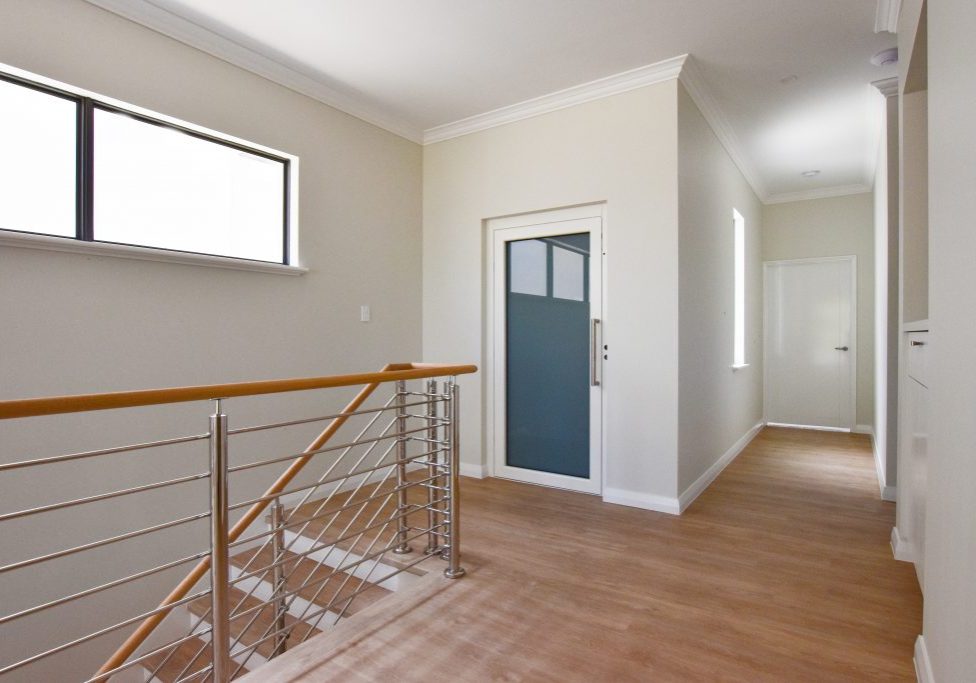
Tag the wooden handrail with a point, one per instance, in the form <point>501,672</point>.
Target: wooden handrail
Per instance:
<point>390,373</point>
<point>54,405</point>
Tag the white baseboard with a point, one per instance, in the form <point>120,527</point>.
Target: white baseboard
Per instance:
<point>863,429</point>
<point>900,548</point>
<point>645,501</point>
<point>923,667</point>
<point>469,469</point>
<point>815,428</point>
<point>689,495</point>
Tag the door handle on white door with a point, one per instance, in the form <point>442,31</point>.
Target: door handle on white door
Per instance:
<point>594,354</point>
<point>840,348</point>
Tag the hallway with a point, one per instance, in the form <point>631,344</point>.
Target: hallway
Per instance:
<point>780,571</point>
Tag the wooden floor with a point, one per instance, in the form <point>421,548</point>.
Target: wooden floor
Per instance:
<point>780,571</point>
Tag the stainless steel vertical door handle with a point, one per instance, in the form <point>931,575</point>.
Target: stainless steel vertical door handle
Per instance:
<point>841,348</point>
<point>594,353</point>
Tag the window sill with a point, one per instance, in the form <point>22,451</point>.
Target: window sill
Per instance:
<point>66,244</point>
<point>739,367</point>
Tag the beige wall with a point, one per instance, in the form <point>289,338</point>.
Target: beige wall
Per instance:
<point>838,226</point>
<point>76,323</point>
<point>914,219</point>
<point>950,535</point>
<point>620,150</point>
<point>717,405</point>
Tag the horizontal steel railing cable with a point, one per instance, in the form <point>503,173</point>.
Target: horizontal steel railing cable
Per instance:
<point>103,496</point>
<point>327,513</point>
<point>238,468</point>
<point>307,420</point>
<point>101,587</point>
<point>105,541</point>
<point>104,451</point>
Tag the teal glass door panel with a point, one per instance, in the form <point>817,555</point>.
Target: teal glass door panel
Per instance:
<point>548,354</point>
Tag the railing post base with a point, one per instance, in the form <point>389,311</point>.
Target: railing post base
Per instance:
<point>454,573</point>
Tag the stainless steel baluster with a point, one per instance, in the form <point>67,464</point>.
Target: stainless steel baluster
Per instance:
<point>432,469</point>
<point>454,569</point>
<point>403,529</point>
<point>219,561</point>
<point>278,600</point>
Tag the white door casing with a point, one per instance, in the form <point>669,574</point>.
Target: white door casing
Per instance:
<point>535,226</point>
<point>810,342</point>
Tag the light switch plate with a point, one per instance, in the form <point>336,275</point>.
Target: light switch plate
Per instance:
<point>364,314</point>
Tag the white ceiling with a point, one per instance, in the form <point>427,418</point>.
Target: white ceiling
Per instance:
<point>413,66</point>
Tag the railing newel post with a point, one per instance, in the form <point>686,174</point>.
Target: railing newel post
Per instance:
<point>454,569</point>
<point>219,551</point>
<point>402,547</point>
<point>433,470</point>
<point>276,520</point>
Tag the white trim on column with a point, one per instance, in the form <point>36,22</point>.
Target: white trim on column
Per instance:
<point>887,86</point>
<point>888,493</point>
<point>900,548</point>
<point>886,16</point>
<point>625,81</point>
<point>923,665</point>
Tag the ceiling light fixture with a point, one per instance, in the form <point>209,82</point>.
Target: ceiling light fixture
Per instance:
<point>810,174</point>
<point>886,57</point>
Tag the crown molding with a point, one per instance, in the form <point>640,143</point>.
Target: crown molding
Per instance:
<point>694,84</point>
<point>819,193</point>
<point>887,86</point>
<point>192,34</point>
<point>578,94</point>
<point>886,18</point>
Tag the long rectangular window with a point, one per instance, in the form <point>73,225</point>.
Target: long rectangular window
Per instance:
<point>74,166</point>
<point>739,331</point>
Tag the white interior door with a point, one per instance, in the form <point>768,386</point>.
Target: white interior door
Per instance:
<point>810,342</point>
<point>547,351</point>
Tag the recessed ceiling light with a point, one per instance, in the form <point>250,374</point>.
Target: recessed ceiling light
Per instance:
<point>786,80</point>
<point>886,57</point>
<point>810,174</point>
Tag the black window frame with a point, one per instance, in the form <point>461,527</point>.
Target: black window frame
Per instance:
<point>85,166</point>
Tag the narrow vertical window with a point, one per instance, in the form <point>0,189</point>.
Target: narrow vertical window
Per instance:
<point>739,331</point>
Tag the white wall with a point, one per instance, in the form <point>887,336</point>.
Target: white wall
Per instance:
<point>718,406</point>
<point>837,226</point>
<point>886,318</point>
<point>950,551</point>
<point>75,323</point>
<point>621,150</point>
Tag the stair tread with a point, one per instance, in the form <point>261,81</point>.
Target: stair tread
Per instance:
<point>345,523</point>
<point>308,577</point>
<point>183,654</point>
<point>247,632</point>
